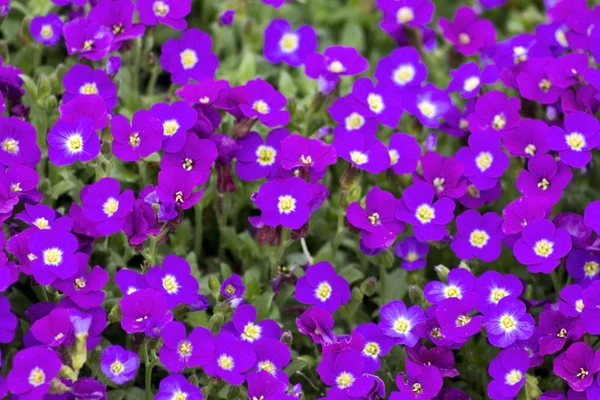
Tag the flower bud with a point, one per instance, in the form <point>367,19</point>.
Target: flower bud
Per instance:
<point>350,179</point>
<point>214,284</point>
<point>368,286</point>
<point>287,338</point>
<point>115,314</point>
<point>43,86</point>
<point>193,379</point>
<point>222,307</point>
<point>463,264</point>
<point>234,392</point>
<point>79,356</point>
<point>385,258</point>
<point>442,273</point>
<point>216,322</point>
<point>416,295</point>
<point>50,103</point>
<point>356,296</point>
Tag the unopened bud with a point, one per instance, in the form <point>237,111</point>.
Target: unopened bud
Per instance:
<point>368,286</point>
<point>356,296</point>
<point>416,295</point>
<point>193,379</point>
<point>385,258</point>
<point>216,322</point>
<point>350,179</point>
<point>287,338</point>
<point>222,307</point>
<point>50,103</point>
<point>79,356</point>
<point>43,86</point>
<point>442,273</point>
<point>463,264</point>
<point>115,314</point>
<point>214,284</point>
<point>233,393</point>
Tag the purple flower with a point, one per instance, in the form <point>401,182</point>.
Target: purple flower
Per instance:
<point>189,57</point>
<point>412,252</point>
<point>180,350</point>
<point>581,235</point>
<point>495,113</point>
<point>258,158</point>
<point>376,345</point>
<point>422,382</point>
<point>528,139</point>
<point>575,142</point>
<point>118,364</point>
<point>542,246</point>
<point>439,357</point>
<point>456,320</point>
<point>167,12</point>
<point>404,152</point>
<point>429,104</point>
<point>230,359</point>
<point>460,283</point>
<point>89,389</point>
<point>354,116</point>
<point>243,326</point>
<point>84,288</point>
<point>556,329</point>
<point>317,324</point>
<point>73,141</point>
<point>130,281</point>
<point>9,321</point>
<point>82,80</point>
<point>54,329</point>
<point>382,100</point>
<point>143,308</point>
<point>428,218</point>
<point>90,105</point>
<point>591,216</point>
<point>194,159</point>
<point>233,287</point>
<point>493,287</point>
<point>113,65</point>
<point>272,356</point>
<point>344,371</point>
<point>402,68</point>
<point>175,280</point>
<point>323,287</point>
<point>335,62</point>
<point>18,140</point>
<point>534,82</point>
<point>397,14</point>
<point>117,15</point>
<point>54,255</point>
<point>583,266</point>
<point>175,385</point>
<point>363,152</point>
<point>508,322</point>
<point>283,44</point>
<point>571,303</point>
<point>588,305</point>
<point>176,188</point>
<point>265,103</point>
<point>32,371</point>
<point>567,70</point>
<point>284,202</point>
<point>484,160</point>
<point>46,29</point>
<point>227,17</point>
<point>467,33</point>
<point>140,139</point>
<point>478,236</point>
<point>176,119</point>
<point>508,370</point>
<point>377,224</point>
<point>544,177</point>
<point>103,204</point>
<point>577,365</point>
<point>88,38</point>
<point>20,182</point>
<point>444,174</point>
<point>399,322</point>
<point>468,79</point>
<point>266,385</point>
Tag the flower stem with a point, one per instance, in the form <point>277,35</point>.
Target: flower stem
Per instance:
<point>198,208</point>
<point>285,242</point>
<point>382,275</point>
<point>309,259</point>
<point>149,365</point>
<point>340,225</point>
<point>555,281</point>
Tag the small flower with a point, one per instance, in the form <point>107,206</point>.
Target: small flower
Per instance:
<point>178,189</point>
<point>263,384</point>
<point>117,16</point>
<point>143,308</point>
<point>362,152</point>
<point>258,158</point>
<point>412,13</point>
<point>460,282</point>
<point>542,246</point>
<point>571,303</point>
<point>46,29</point>
<point>313,155</point>
<point>32,371</point>
<point>167,12</point>
<point>174,279</point>
<point>188,57</point>
<point>575,142</point>
<point>423,382</point>
<point>399,322</point>
<point>583,266</point>
<point>467,33</point>
<point>352,116</point>
<point>577,365</point>
<point>245,327</point>
<point>404,152</point>
<point>265,103</point>
<point>180,350</point>
<point>194,160</point>
<point>444,174</point>
<point>412,252</point>
<point>52,255</point>
<point>83,80</point>
<point>272,356</point>
<point>468,79</point>
<point>227,17</point>
<point>130,281</point>
<point>283,44</point>
<point>230,359</point>
<point>140,139</point>
<point>176,386</point>
<point>508,370</point>
<point>382,100</point>
<point>88,38</point>
<point>323,287</point>
<point>495,113</point>
<point>233,287</point>
<point>534,83</point>
<point>89,105</point>
<point>84,288</point>
<point>284,202</point>
<point>492,287</point>
<point>508,322</point>
<point>18,144</point>
<point>336,61</point>
<point>317,324</point>
<point>73,141</point>
<point>530,138</point>
<point>175,119</point>
<point>456,319</point>
<point>376,345</point>
<point>556,329</point>
<point>478,236</point>
<point>103,204</point>
<point>484,160</point>
<point>54,329</point>
<point>402,69</point>
<point>118,364</point>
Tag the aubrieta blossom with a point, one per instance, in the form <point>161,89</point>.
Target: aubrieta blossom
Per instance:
<point>189,57</point>
<point>399,322</point>
<point>439,357</point>
<point>353,116</point>
<point>495,113</point>
<point>577,365</point>
<point>194,160</point>
<point>382,100</point>
<point>376,345</point>
<point>456,318</point>
<point>167,12</point>
<point>468,79</point>
<point>54,329</point>
<point>272,356</point>
<point>88,38</point>
<point>529,139</point>
<point>583,266</point>
<point>180,350</point>
<point>444,174</point>
<point>591,216</point>
<point>571,300</point>
<point>233,287</point>
<point>534,82</point>
<point>46,29</point>
<point>258,157</point>
<point>322,287</point>
<point>589,306</point>
<point>42,216</point>
<point>575,142</point>
<point>460,282</point>
<point>508,322</point>
<point>422,382</point>
<point>484,160</point>
<point>52,255</point>
<point>18,143</point>
<point>84,288</point>
<point>265,103</point>
<point>174,279</point>
<point>478,236</point>
<point>545,178</point>
<point>428,218</point>
<point>264,384</point>
<point>117,15</point>
<point>401,69</point>
<point>469,34</point>
<point>176,119</point>
<point>335,62</point>
<point>21,182</point>
<point>9,321</point>
<point>429,104</point>
<point>130,281</point>
<point>73,141</point>
<point>104,204</point>
<point>412,252</point>
<point>301,153</point>
<point>176,386</point>
<point>83,80</point>
<point>556,329</point>
<point>118,364</point>
<point>404,151</point>
<point>318,324</point>
<point>227,17</point>
<point>229,359</point>
<point>492,287</point>
<point>284,202</point>
<point>377,224</point>
<point>508,372</point>
<point>362,152</point>
<point>32,371</point>
<point>243,325</point>
<point>344,371</point>
<point>398,14</point>
<point>113,65</point>
<point>143,308</point>
<point>178,189</point>
<point>542,246</point>
<point>90,105</point>
<point>282,44</point>
<point>140,139</point>
<point>568,69</point>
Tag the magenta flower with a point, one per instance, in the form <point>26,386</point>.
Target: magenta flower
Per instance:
<point>316,323</point>
<point>189,57</point>
<point>46,29</point>
<point>54,253</point>
<point>577,365</point>
<point>587,303</point>
<point>117,16</point>
<point>556,329</point>
<point>140,139</point>
<point>469,34</point>
<point>336,61</point>
<point>362,152</point>
<point>456,320</point>
<point>545,178</point>
<point>18,141</point>
<point>180,350</point>
<point>8,321</point>
<point>542,246</point>
<point>54,329</point>
<point>575,142</point>
<point>468,79</point>
<point>591,216</point>
<point>428,218</point>
<point>176,119</point>
<point>73,141</point>
<point>478,236</point>
<point>518,213</point>
<point>83,80</point>
<point>88,38</point>
<point>401,69</point>
<point>167,12</point>
<point>284,202</point>
<point>508,370</point>
<point>404,152</point>
<point>534,82</point>
<point>178,189</point>
<point>444,174</point>
<point>282,44</point>
<point>495,113</point>
<point>530,138</point>
<point>91,106</point>
<point>143,309</point>
<point>301,153</point>
<point>265,103</point>
<point>195,159</point>
<point>174,279</point>
<point>258,158</point>
<point>84,288</point>
<point>412,252</point>
<point>484,160</point>
<point>322,287</point>
<point>32,371</point>
<point>426,379</point>
<point>104,205</point>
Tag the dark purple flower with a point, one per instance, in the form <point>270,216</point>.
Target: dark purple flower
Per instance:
<point>118,364</point>
<point>233,287</point>
<point>89,389</point>
<point>412,252</point>
<point>264,384</point>
<point>258,157</point>
<point>32,371</point>
<point>167,12</point>
<point>140,139</point>
<point>143,308</point>
<point>299,152</point>
<point>508,370</point>
<point>283,44</point>
<point>8,321</point>
<point>422,382</point>
<point>323,287</point>
<point>575,142</point>
<point>180,350</point>
<point>317,324</point>
<point>439,357</point>
<point>113,65</point>
<point>495,113</point>
<point>456,320</point>
<point>194,160</point>
<point>534,82</point>
<point>591,216</point>
<point>227,17</point>
<point>583,266</point>
<point>577,365</point>
<point>230,359</point>
<point>544,177</point>
<point>530,138</point>
<point>478,236</point>
<point>89,105</point>
<point>556,329</point>
<point>508,322</point>
<point>469,34</point>
<point>404,152</point>
<point>84,288</point>
<point>484,160</point>
<point>588,305</point>
<point>571,302</point>
<point>444,174</point>
<point>468,79</point>
<point>130,281</point>
<point>176,188</point>
<point>542,246</point>
<point>88,38</point>
<point>399,322</point>
<point>117,15</point>
<point>19,145</point>
<point>284,202</point>
<point>46,29</point>
<point>189,57</point>
<point>73,141</point>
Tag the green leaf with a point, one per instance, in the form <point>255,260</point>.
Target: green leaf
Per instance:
<point>352,35</point>
<point>298,364</point>
<point>351,274</point>
<point>263,305</point>
<point>286,84</point>
<point>247,69</point>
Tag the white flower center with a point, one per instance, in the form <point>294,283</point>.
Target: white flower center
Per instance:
<point>286,204</point>
<point>189,58</point>
<point>404,15</point>
<point>471,83</point>
<point>289,42</point>
<point>88,88</point>
<point>323,291</point>
<point>170,127</point>
<point>170,284</point>
<point>484,160</point>
<point>110,206</point>
<point>479,238</point>
<point>576,141</point>
<point>404,74</point>
<point>543,248</point>
<point>251,332</point>
<point>265,155</point>
<point>376,103</point>
<point>425,213</point>
<point>53,256</point>
<point>358,157</point>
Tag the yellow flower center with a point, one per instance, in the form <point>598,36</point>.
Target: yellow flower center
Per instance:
<point>372,349</point>
<point>160,8</point>
<point>261,107</point>
<point>289,42</point>
<point>452,291</point>
<point>80,283</point>
<point>471,83</point>
<point>88,45</point>
<point>179,197</point>
<point>562,333</point>
<point>543,248</point>
<point>514,377</point>
<point>134,139</point>
<point>425,213</point>
<point>75,143</point>
<point>561,37</point>
<point>375,102</point>
<point>53,256</point>
<point>117,367</point>
<point>10,146</point>
<point>591,268</point>
<point>189,58</point>
<point>484,160</point>
<point>374,218</point>
<point>498,294</point>
<point>16,187</point>
<point>110,206</point>
<point>545,85</point>
<point>579,305</point>
<point>463,38</point>
<point>336,67</point>
<point>543,184</point>
<point>479,238</point>
<point>358,157</point>
<point>323,291</point>
<point>225,362</point>
<point>463,124</point>
<point>306,160</point>
<point>412,256</point>
<point>265,155</point>
<point>229,289</point>
<point>530,149</point>
<point>179,395</point>
<point>576,141</point>
<point>394,156</point>
<point>344,380</point>
<point>267,366</point>
<point>404,74</point>
<point>520,54</point>
<point>88,88</point>
<point>354,121</point>
<point>508,323</point>
<point>463,320</point>
<point>170,127</point>
<point>170,284</point>
<point>417,388</point>
<point>37,377</point>
<point>187,164</point>
<point>582,373</point>
<point>251,332</point>
<point>436,333</point>
<point>427,108</point>
<point>286,204</point>
<point>185,348</point>
<point>402,325</point>
<point>46,32</point>
<point>499,122</point>
<point>118,29</point>
<point>42,223</point>
<point>404,15</point>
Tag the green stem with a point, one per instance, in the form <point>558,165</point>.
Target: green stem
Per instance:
<point>149,365</point>
<point>198,208</point>
<point>137,64</point>
<point>555,281</point>
<point>151,254</point>
<point>382,275</point>
<point>152,81</point>
<point>37,58</point>
<point>285,242</point>
<point>340,225</point>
